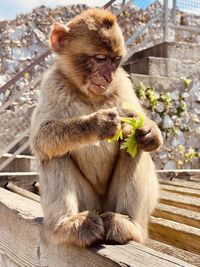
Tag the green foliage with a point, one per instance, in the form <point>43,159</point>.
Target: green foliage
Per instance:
<point>152,97</point>
<point>148,93</point>
<point>130,143</point>
<point>166,99</point>
<point>141,91</point>
<point>182,107</point>
<point>185,155</point>
<point>186,81</point>
<point>118,136</point>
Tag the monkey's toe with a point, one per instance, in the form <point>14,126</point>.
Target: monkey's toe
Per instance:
<point>119,228</point>
<point>82,229</point>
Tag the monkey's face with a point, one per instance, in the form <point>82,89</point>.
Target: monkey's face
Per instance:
<point>90,47</point>
<point>101,70</point>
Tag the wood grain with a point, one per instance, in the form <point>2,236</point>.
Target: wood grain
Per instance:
<point>176,214</point>
<point>177,200</point>
<point>22,244</point>
<point>180,235</point>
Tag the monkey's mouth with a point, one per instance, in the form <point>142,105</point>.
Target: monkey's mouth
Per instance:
<point>97,89</point>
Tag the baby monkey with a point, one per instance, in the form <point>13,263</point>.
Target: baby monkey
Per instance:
<point>91,190</point>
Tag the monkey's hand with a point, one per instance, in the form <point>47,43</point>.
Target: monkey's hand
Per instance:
<point>108,123</point>
<point>149,137</point>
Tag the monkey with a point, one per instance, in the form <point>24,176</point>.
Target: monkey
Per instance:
<point>91,190</point>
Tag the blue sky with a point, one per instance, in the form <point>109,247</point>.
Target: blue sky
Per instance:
<point>9,8</point>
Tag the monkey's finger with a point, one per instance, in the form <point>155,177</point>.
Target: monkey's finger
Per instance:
<point>142,131</point>
<point>149,146</point>
<point>112,115</point>
<point>144,139</point>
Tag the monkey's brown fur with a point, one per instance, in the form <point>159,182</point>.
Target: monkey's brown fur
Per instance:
<point>90,189</point>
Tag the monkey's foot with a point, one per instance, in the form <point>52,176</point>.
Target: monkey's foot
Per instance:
<point>82,229</point>
<point>120,229</point>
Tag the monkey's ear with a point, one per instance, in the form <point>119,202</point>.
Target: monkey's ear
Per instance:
<point>58,36</point>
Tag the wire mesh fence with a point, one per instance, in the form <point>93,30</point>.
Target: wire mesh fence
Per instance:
<point>16,112</point>
<point>188,12</point>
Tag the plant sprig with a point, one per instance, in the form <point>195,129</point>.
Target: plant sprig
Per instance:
<point>130,143</point>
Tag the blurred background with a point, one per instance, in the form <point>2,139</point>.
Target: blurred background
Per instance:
<point>163,61</point>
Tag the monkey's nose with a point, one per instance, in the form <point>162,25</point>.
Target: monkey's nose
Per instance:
<point>108,77</point>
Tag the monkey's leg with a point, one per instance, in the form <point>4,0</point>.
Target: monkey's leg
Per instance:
<point>132,197</point>
<point>68,201</point>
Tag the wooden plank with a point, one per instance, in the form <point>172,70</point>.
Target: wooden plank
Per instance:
<point>185,174</point>
<point>18,174</point>
<point>7,161</point>
<point>188,217</point>
<point>19,137</point>
<point>22,244</point>
<point>177,200</point>
<point>21,163</point>
<point>181,190</point>
<point>137,255</point>
<point>24,180</point>
<point>8,155</point>
<point>176,234</point>
<point>175,252</point>
<point>182,183</point>
<point>22,192</point>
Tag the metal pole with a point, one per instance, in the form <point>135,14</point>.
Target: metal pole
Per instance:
<point>174,12</point>
<point>165,21</point>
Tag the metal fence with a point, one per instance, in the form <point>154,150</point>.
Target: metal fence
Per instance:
<point>186,15</point>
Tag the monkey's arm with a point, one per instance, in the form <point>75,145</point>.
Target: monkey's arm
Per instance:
<point>56,137</point>
<point>148,137</point>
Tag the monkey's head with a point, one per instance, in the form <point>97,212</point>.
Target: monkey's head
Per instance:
<point>90,48</point>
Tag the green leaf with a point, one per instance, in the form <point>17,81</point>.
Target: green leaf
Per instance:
<point>118,135</point>
<point>130,144</point>
<point>131,121</point>
<point>186,81</point>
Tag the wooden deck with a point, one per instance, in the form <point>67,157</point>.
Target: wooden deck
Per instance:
<point>174,232</point>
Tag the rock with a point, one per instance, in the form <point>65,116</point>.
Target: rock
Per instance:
<point>170,165</point>
<point>175,95</point>
<point>167,121</point>
<point>179,139</point>
<point>3,79</point>
<point>157,118</point>
<point>39,35</point>
<point>21,54</point>
<point>160,107</point>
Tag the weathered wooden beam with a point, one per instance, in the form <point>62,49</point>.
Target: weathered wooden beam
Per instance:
<point>177,200</point>
<point>182,183</point>
<point>177,214</point>
<point>22,192</point>
<point>181,190</point>
<point>185,174</point>
<point>181,254</point>
<point>180,235</point>
<point>24,180</point>
<point>22,244</point>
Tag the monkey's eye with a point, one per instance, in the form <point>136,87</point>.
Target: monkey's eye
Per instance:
<point>100,58</point>
<point>117,58</point>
